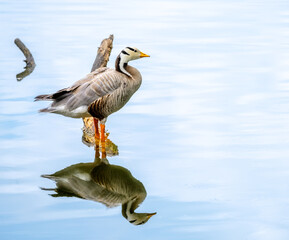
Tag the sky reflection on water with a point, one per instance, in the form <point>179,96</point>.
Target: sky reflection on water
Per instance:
<point>207,132</point>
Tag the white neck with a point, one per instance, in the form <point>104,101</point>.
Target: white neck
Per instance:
<point>122,63</point>
<point>130,215</point>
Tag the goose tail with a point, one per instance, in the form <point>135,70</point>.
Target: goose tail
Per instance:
<point>48,176</point>
<point>46,110</point>
<point>43,97</point>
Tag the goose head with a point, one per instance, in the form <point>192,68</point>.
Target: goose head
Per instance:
<point>139,218</point>
<point>130,53</point>
<point>126,55</point>
<point>133,217</point>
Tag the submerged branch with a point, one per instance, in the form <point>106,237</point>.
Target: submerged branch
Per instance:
<point>30,63</point>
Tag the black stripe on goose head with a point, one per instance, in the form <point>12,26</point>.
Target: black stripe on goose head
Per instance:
<point>124,52</point>
<point>131,49</point>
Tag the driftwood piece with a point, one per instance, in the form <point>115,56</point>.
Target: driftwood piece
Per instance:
<point>30,63</point>
<point>88,137</point>
<point>103,53</point>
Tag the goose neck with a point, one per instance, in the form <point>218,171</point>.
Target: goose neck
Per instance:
<point>121,65</point>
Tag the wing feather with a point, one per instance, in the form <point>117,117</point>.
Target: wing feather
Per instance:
<point>92,191</point>
<point>94,86</point>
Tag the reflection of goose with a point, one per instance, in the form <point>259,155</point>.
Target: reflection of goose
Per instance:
<point>101,92</point>
<point>109,184</point>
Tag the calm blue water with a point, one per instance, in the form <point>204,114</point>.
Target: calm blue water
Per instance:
<point>207,133</point>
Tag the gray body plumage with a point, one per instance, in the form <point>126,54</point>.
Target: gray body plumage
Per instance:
<point>99,94</point>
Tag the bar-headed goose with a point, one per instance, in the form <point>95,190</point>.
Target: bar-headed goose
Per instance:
<point>99,94</point>
<point>102,182</point>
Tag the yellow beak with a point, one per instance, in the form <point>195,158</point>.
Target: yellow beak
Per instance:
<point>143,55</point>
<point>151,214</point>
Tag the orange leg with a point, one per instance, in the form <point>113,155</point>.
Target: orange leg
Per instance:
<point>102,132</point>
<point>102,140</point>
<point>96,131</point>
<point>96,150</point>
<point>103,150</point>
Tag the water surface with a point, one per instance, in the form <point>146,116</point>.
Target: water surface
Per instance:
<point>207,133</point>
